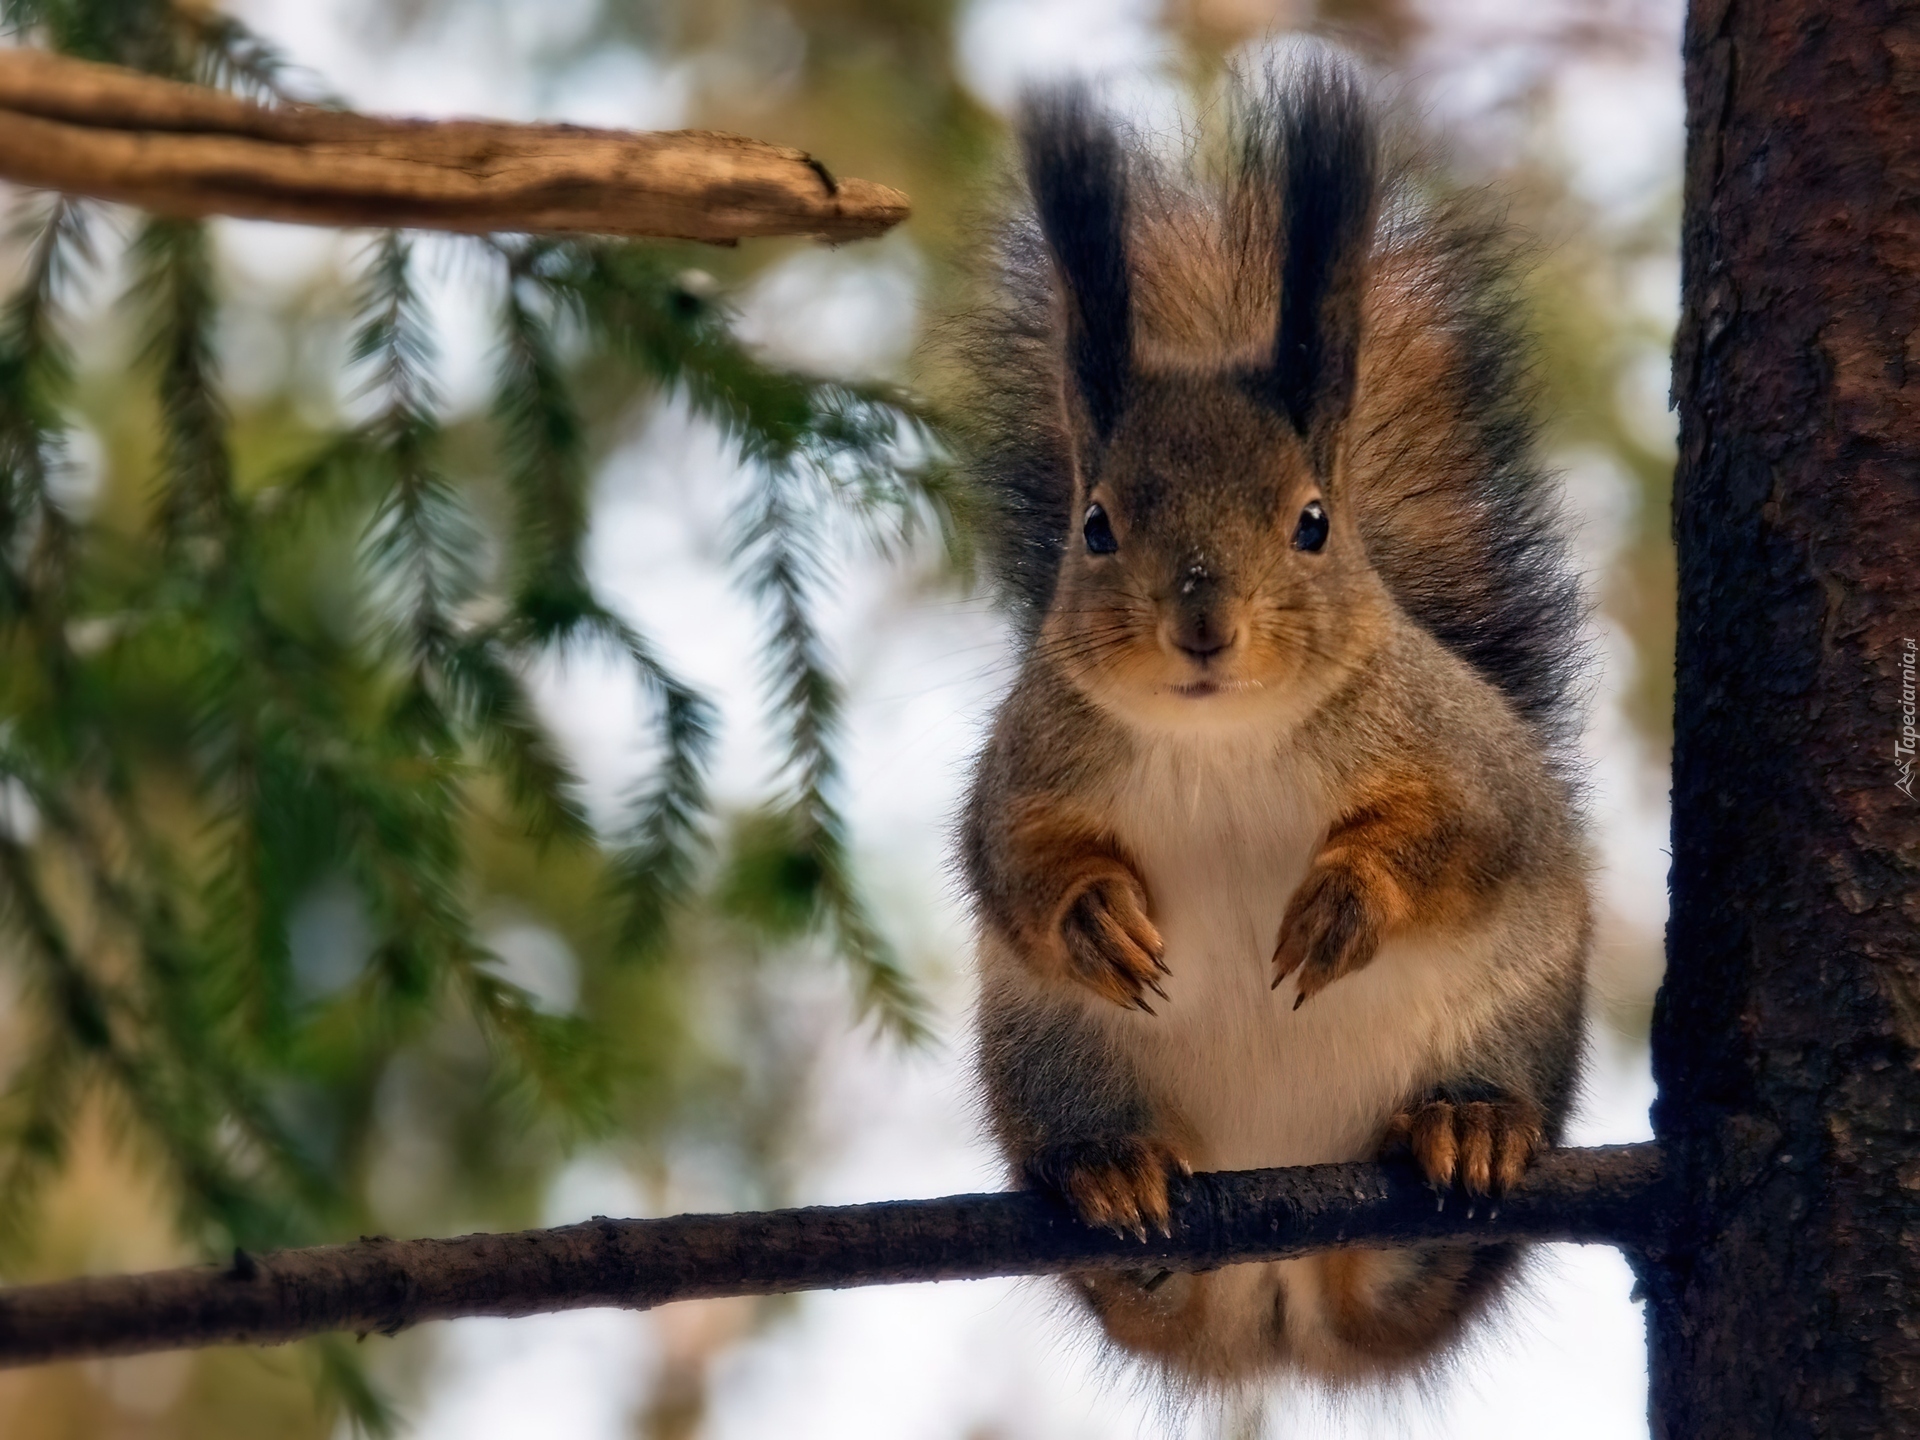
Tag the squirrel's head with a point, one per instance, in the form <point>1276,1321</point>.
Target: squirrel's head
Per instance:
<point>1211,571</point>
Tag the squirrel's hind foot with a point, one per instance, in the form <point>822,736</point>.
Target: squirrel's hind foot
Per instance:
<point>1483,1146</point>
<point>1126,1185</point>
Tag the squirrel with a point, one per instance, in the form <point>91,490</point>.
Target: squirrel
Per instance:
<point>1275,848</point>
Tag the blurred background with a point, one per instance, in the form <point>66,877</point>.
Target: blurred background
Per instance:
<point>749,1066</point>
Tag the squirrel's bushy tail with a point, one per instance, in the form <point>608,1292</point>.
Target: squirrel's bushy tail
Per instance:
<point>1440,464</point>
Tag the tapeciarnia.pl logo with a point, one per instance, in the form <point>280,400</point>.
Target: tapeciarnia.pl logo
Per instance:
<point>1903,745</point>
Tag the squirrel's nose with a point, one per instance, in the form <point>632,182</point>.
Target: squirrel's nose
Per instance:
<point>1199,636</point>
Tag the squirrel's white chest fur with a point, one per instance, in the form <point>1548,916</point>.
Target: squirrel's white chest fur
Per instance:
<point>1224,829</point>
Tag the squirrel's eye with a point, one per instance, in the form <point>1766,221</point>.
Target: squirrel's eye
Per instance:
<point>1099,532</point>
<point>1311,533</point>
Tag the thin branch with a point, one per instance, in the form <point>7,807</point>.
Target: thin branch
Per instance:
<point>1613,1195</point>
<point>187,150</point>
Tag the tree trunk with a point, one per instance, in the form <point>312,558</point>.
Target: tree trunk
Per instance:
<point>1787,1037</point>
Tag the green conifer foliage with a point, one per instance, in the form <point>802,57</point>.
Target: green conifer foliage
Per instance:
<point>266,678</point>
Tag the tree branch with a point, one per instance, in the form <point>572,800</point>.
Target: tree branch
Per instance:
<point>178,149</point>
<point>1614,1195</point>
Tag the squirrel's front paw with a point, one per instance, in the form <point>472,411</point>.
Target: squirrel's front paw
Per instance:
<point>1124,1185</point>
<point>1483,1145</point>
<point>1112,947</point>
<point>1329,931</point>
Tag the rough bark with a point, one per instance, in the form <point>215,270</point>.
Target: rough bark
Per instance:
<point>185,150</point>
<point>1613,1194</point>
<point>1787,1037</point>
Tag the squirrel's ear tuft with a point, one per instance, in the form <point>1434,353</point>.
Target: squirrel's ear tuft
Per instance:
<point>1319,146</point>
<point>1077,173</point>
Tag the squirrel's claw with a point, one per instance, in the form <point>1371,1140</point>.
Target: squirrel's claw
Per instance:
<point>1112,946</point>
<point>1483,1146</point>
<point>1329,931</point>
<point>1123,1185</point>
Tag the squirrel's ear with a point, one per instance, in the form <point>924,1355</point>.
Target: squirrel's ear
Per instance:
<point>1322,156</point>
<point>1077,174</point>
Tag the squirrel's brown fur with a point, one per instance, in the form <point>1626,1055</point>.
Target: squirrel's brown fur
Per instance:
<point>1273,851</point>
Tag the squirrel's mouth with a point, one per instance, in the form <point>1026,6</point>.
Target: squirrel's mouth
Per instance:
<point>1201,689</point>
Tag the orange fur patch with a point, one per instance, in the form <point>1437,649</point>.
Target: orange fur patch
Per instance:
<point>1393,1305</point>
<point>1086,916</point>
